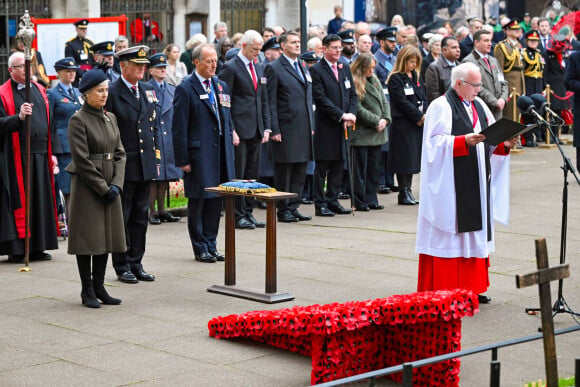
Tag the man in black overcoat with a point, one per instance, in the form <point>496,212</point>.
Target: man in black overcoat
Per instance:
<point>251,118</point>
<point>133,103</point>
<point>290,101</point>
<point>336,105</point>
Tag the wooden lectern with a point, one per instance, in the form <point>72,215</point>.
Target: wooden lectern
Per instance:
<point>270,295</point>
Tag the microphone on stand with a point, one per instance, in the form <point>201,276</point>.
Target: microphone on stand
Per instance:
<point>527,106</point>
<point>542,106</point>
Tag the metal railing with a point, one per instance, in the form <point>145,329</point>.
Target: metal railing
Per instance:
<point>407,368</point>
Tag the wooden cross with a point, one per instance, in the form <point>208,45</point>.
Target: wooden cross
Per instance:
<point>542,278</point>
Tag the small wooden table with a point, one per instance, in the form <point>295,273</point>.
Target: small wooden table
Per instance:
<point>271,295</point>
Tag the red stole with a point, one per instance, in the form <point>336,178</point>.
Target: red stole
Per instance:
<point>8,102</point>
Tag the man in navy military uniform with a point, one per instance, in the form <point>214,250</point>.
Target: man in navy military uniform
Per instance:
<point>133,102</point>
<point>386,56</point>
<point>79,48</point>
<point>104,56</point>
<point>203,145</point>
<point>386,59</point>
<point>348,47</point>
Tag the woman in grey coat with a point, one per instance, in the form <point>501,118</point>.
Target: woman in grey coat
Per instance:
<point>96,225</point>
<point>372,118</point>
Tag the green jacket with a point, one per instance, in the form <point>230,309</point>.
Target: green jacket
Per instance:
<point>371,109</point>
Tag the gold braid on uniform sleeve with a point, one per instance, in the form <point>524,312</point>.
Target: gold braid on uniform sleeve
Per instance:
<point>534,66</point>
<point>509,58</point>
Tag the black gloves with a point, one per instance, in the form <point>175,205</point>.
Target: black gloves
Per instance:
<point>111,194</point>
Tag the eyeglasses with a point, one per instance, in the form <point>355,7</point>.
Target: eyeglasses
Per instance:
<point>475,85</point>
<point>18,66</point>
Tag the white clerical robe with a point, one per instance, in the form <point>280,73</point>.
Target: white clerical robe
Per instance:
<point>437,222</point>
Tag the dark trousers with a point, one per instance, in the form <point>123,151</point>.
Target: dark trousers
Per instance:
<point>135,199</point>
<point>247,165</point>
<point>366,170</point>
<point>331,171</point>
<point>289,177</point>
<point>203,222</point>
<point>387,175</point>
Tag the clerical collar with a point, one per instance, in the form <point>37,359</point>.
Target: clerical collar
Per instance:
<point>465,102</point>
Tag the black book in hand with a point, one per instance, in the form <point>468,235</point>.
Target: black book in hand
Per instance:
<point>504,129</point>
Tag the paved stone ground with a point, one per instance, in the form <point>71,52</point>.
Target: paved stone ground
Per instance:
<point>159,335</point>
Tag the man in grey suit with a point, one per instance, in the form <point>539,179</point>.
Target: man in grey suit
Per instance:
<point>494,89</point>
<point>251,118</point>
<point>290,97</point>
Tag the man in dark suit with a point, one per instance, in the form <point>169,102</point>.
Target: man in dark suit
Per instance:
<point>466,45</point>
<point>438,75</point>
<point>290,97</point>
<point>336,106</point>
<point>545,36</point>
<point>250,116</point>
<point>133,102</point>
<point>203,146</point>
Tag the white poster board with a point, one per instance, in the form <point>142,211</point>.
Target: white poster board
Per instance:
<point>51,38</point>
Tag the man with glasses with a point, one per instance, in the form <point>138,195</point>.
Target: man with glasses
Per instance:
<point>494,89</point>
<point>458,173</point>
<point>14,109</point>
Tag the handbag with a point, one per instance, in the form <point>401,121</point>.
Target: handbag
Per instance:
<point>567,116</point>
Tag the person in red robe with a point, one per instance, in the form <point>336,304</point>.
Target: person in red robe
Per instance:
<point>43,218</point>
<point>145,30</point>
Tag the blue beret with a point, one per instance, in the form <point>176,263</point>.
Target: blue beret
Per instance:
<point>91,79</point>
